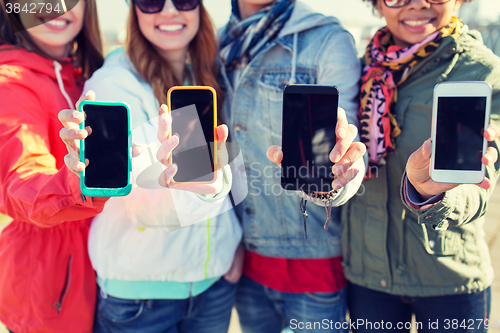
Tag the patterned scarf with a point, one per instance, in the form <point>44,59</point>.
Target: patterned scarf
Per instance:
<point>388,66</point>
<point>242,40</point>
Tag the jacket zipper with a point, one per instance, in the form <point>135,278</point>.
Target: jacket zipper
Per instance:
<point>58,304</point>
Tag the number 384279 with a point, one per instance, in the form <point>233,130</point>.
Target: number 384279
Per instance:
<point>469,324</point>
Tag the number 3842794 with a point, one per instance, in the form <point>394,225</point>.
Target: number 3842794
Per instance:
<point>34,8</point>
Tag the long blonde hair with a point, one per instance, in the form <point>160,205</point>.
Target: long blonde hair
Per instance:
<point>86,50</point>
<point>158,72</point>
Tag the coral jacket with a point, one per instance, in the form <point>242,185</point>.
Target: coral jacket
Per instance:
<point>47,283</point>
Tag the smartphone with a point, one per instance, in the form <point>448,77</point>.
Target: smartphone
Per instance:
<point>308,136</point>
<point>194,120</point>
<point>108,149</point>
<point>460,113</point>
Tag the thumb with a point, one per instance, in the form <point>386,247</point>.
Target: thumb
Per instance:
<point>89,96</point>
<point>164,124</point>
<point>222,153</point>
<point>275,154</point>
<point>420,159</point>
<point>222,134</point>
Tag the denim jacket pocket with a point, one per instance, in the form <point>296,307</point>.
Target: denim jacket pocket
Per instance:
<point>272,104</point>
<point>270,87</point>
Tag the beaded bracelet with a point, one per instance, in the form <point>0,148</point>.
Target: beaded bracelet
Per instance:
<point>318,198</point>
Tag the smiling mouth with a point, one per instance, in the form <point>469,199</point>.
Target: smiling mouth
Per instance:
<point>54,22</point>
<point>171,28</point>
<point>417,23</point>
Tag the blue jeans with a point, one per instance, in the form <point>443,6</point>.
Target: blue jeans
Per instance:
<point>453,313</point>
<point>208,312</point>
<point>264,310</point>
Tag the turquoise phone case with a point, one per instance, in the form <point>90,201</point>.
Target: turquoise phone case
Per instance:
<point>106,192</point>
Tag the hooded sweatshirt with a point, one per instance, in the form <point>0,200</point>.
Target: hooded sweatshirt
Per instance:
<point>47,283</point>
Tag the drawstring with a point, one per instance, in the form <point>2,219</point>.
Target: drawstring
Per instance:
<point>444,76</point>
<point>294,59</point>
<point>57,69</point>
<point>401,264</point>
<point>328,209</point>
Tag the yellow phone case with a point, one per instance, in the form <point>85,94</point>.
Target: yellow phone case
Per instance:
<point>214,127</point>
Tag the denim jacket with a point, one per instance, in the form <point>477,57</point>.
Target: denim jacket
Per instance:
<point>310,49</point>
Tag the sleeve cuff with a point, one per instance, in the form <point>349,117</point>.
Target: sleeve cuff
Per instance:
<point>226,187</point>
<point>413,198</point>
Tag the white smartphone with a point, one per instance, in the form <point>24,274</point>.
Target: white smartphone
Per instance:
<point>460,113</point>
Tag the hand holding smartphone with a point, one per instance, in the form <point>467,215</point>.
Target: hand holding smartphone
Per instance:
<point>457,153</point>
<point>107,148</point>
<point>308,137</point>
<point>194,120</point>
<point>461,113</point>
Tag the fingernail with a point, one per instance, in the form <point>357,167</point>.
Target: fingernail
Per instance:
<point>173,140</point>
<point>336,185</point>
<point>342,133</point>
<point>277,155</point>
<point>76,114</point>
<point>88,93</point>
<point>334,157</point>
<point>172,170</point>
<point>335,170</point>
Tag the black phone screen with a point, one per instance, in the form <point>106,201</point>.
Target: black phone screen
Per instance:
<point>308,136</point>
<point>192,113</point>
<point>106,147</point>
<point>459,133</point>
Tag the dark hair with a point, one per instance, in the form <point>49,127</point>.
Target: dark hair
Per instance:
<point>374,3</point>
<point>86,51</point>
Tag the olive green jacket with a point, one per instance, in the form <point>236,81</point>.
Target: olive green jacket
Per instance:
<point>440,250</point>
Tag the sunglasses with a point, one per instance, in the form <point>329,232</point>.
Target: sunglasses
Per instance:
<point>401,3</point>
<point>155,6</point>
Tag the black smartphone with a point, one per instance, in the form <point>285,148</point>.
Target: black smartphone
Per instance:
<point>194,120</point>
<point>308,136</point>
<point>108,149</point>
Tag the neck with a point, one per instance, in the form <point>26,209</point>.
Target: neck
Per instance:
<point>177,59</point>
<point>54,51</point>
<point>247,10</point>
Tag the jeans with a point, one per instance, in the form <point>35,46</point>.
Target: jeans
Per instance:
<point>264,310</point>
<point>453,313</point>
<point>208,312</point>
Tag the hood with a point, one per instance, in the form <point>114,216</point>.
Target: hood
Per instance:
<point>34,62</point>
<point>304,18</point>
<point>19,57</point>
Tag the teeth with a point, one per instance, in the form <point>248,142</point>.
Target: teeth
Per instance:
<point>417,23</point>
<point>57,23</point>
<point>170,27</point>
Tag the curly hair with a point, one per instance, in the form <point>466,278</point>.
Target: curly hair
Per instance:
<point>374,3</point>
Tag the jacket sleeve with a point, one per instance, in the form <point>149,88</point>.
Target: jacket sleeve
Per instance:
<point>32,189</point>
<point>465,203</point>
<point>148,204</point>
<point>338,65</point>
